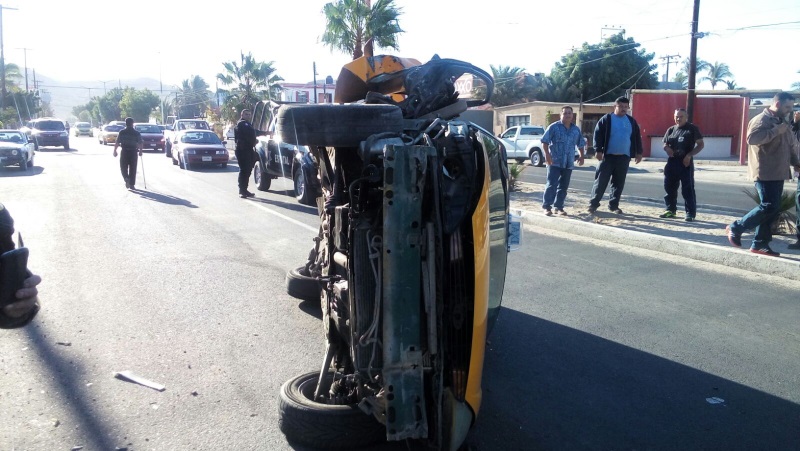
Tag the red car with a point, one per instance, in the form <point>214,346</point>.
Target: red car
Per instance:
<point>198,148</point>
<point>152,135</point>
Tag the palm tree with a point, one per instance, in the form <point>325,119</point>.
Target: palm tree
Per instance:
<point>681,78</point>
<point>13,74</point>
<point>511,85</point>
<point>249,81</point>
<point>355,26</point>
<point>716,73</point>
<point>731,84</point>
<point>193,97</point>
<point>699,66</point>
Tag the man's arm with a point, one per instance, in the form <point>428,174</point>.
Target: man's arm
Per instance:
<point>763,131</point>
<point>599,137</point>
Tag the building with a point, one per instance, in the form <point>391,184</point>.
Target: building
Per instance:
<point>545,113</point>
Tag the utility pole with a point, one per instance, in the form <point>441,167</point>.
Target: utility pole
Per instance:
<point>104,85</point>
<point>25,53</point>
<point>692,63</point>
<point>2,61</point>
<point>315,82</point>
<point>669,58</point>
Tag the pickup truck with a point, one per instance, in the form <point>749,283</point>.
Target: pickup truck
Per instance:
<point>523,142</point>
<point>178,125</point>
<point>277,159</point>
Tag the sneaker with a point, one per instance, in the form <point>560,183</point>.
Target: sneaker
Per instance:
<point>616,211</point>
<point>734,238</point>
<point>667,214</point>
<point>795,245</point>
<point>547,212</point>
<point>592,210</point>
<point>131,187</point>
<point>764,250</point>
<point>127,185</point>
<point>689,218</point>
<point>561,212</point>
<point>246,194</point>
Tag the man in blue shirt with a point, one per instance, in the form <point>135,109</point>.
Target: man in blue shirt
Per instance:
<point>617,139</point>
<point>559,142</point>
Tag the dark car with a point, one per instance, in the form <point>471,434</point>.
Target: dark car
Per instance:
<point>49,132</point>
<point>16,149</point>
<point>198,148</point>
<point>280,159</point>
<point>152,136</point>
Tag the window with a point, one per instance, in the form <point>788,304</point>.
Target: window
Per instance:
<point>532,131</point>
<point>509,133</point>
<point>302,96</point>
<point>518,120</point>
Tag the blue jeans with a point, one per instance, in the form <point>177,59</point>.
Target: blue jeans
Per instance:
<point>762,217</point>
<point>797,210</point>
<point>556,177</point>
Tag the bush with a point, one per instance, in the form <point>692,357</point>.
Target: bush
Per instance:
<point>785,224</point>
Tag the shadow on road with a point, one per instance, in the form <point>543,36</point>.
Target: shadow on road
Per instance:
<point>15,171</point>
<point>164,198</point>
<point>68,377</point>
<point>292,205</point>
<point>548,386</point>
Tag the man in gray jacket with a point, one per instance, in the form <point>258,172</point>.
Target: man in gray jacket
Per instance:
<point>771,150</point>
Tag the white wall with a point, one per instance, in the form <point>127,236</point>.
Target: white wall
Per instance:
<point>715,147</point>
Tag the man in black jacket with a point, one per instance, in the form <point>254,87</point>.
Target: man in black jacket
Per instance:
<point>616,140</point>
<point>131,141</point>
<point>21,312</point>
<point>245,137</point>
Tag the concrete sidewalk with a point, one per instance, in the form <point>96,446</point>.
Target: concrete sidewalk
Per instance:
<point>703,240</point>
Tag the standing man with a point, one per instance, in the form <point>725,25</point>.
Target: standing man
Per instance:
<point>245,137</point>
<point>559,142</point>
<point>131,141</point>
<point>681,142</point>
<point>796,130</point>
<point>771,149</point>
<point>617,140</point>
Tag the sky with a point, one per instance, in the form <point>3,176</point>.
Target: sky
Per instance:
<point>173,40</point>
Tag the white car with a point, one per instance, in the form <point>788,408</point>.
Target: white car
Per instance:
<point>523,142</point>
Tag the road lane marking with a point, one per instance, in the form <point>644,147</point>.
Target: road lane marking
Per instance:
<point>283,216</point>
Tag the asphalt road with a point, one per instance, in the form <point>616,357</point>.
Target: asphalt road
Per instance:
<point>641,183</point>
<point>597,347</point>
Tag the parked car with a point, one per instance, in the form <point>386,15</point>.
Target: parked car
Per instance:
<point>523,142</point>
<point>197,148</point>
<point>108,134</point>
<point>280,159</point>
<point>179,125</point>
<point>49,132</point>
<point>16,148</point>
<point>152,136</point>
<point>82,129</point>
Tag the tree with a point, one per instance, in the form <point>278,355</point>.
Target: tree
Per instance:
<point>731,84</point>
<point>716,73</point>
<point>699,66</point>
<point>108,106</point>
<point>249,82</point>
<point>355,27</point>
<point>603,72</point>
<point>511,86</point>
<point>681,78</point>
<point>138,104</point>
<point>193,97</point>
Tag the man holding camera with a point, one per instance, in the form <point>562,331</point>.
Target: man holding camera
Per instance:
<point>26,303</point>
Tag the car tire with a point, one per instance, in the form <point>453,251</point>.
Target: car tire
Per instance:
<point>301,191</point>
<point>337,125</point>
<point>181,163</point>
<point>324,426</point>
<point>168,150</point>
<point>23,165</point>
<point>536,158</point>
<point>260,177</point>
<point>173,160</point>
<point>66,145</point>
<point>301,286</point>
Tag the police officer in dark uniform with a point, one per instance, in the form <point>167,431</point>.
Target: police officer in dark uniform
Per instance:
<point>21,312</point>
<point>245,137</point>
<point>130,140</point>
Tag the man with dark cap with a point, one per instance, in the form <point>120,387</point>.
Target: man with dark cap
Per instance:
<point>130,140</point>
<point>21,312</point>
<point>245,137</point>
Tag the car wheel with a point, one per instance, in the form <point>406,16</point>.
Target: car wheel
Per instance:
<point>536,158</point>
<point>301,191</point>
<point>181,162</point>
<point>223,165</point>
<point>337,125</point>
<point>173,160</point>
<point>66,145</point>
<point>168,150</point>
<point>23,165</point>
<point>301,286</point>
<point>260,178</point>
<point>307,422</point>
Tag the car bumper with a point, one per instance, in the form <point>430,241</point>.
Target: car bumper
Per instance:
<point>83,133</point>
<point>206,159</point>
<point>52,141</point>
<point>10,160</point>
